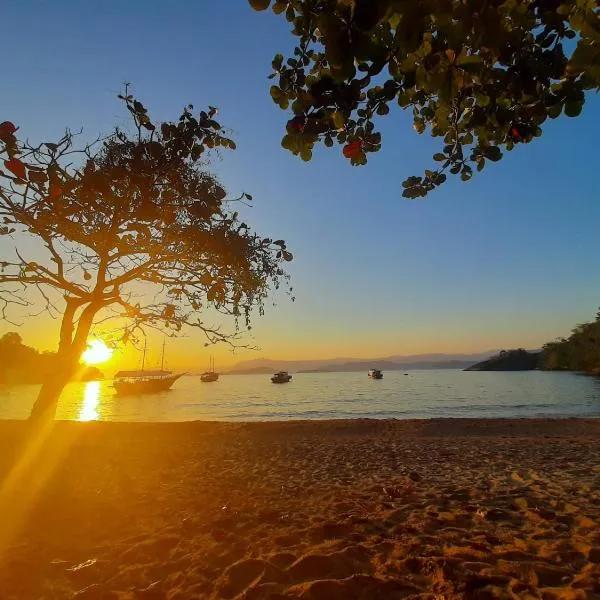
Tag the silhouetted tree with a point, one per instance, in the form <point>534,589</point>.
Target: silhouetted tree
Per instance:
<point>9,341</point>
<point>131,226</point>
<point>483,75</point>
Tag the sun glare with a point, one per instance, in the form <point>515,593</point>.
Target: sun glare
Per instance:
<point>97,352</point>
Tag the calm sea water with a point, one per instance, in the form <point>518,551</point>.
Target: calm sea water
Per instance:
<point>418,394</point>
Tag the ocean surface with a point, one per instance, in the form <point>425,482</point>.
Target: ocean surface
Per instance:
<point>414,395</point>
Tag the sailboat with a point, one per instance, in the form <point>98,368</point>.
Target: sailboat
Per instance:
<point>210,375</point>
<point>129,383</point>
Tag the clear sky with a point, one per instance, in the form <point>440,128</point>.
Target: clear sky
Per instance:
<point>510,259</point>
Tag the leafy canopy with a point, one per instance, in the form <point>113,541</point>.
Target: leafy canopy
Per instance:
<point>132,225</point>
<point>484,75</point>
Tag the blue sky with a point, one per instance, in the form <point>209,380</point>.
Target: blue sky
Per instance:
<point>511,258</point>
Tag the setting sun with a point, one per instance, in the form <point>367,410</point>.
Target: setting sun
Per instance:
<point>97,352</point>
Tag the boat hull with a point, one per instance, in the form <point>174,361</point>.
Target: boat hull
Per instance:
<point>147,386</point>
<point>375,374</point>
<point>209,377</point>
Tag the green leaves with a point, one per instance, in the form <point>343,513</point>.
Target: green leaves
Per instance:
<point>279,6</point>
<point>419,125</point>
<point>277,62</point>
<point>492,153</point>
<point>467,74</point>
<point>573,108</point>
<point>338,119</point>
<point>279,97</point>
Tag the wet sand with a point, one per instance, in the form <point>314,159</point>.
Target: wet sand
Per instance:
<point>373,510</point>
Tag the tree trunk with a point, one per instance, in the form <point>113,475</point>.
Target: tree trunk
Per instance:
<point>45,405</point>
<point>69,352</point>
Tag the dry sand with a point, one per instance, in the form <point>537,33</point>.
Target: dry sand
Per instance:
<point>438,509</point>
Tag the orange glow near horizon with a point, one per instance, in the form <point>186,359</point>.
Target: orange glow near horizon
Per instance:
<point>97,352</point>
<point>188,353</point>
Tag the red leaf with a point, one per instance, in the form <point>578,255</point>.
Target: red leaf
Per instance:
<point>352,150</point>
<point>7,127</point>
<point>515,133</point>
<point>17,167</point>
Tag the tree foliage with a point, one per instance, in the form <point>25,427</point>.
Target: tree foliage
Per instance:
<point>133,227</point>
<point>579,352</point>
<point>483,75</point>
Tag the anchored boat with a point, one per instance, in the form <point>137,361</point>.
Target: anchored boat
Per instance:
<point>375,374</point>
<point>281,377</point>
<point>211,374</point>
<point>134,383</point>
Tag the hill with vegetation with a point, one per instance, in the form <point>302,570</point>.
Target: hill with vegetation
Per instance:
<point>23,364</point>
<point>510,360</point>
<point>579,352</point>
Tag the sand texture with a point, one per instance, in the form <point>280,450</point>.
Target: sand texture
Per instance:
<point>370,510</point>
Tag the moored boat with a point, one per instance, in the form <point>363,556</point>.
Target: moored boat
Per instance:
<point>211,374</point>
<point>281,377</point>
<point>132,383</point>
<point>375,374</point>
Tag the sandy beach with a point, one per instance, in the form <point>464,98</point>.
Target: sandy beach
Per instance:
<point>437,509</point>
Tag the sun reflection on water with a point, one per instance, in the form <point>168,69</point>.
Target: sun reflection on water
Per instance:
<point>91,399</point>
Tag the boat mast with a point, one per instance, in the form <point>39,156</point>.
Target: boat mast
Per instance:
<point>162,360</point>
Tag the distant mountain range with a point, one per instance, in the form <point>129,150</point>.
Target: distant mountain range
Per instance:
<point>388,363</point>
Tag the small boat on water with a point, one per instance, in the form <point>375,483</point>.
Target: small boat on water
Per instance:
<point>134,383</point>
<point>375,374</point>
<point>211,374</point>
<point>281,377</point>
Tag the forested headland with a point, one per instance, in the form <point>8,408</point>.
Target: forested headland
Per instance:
<point>20,363</point>
<point>578,352</point>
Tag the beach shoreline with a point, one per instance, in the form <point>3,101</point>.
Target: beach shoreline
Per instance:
<point>365,508</point>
